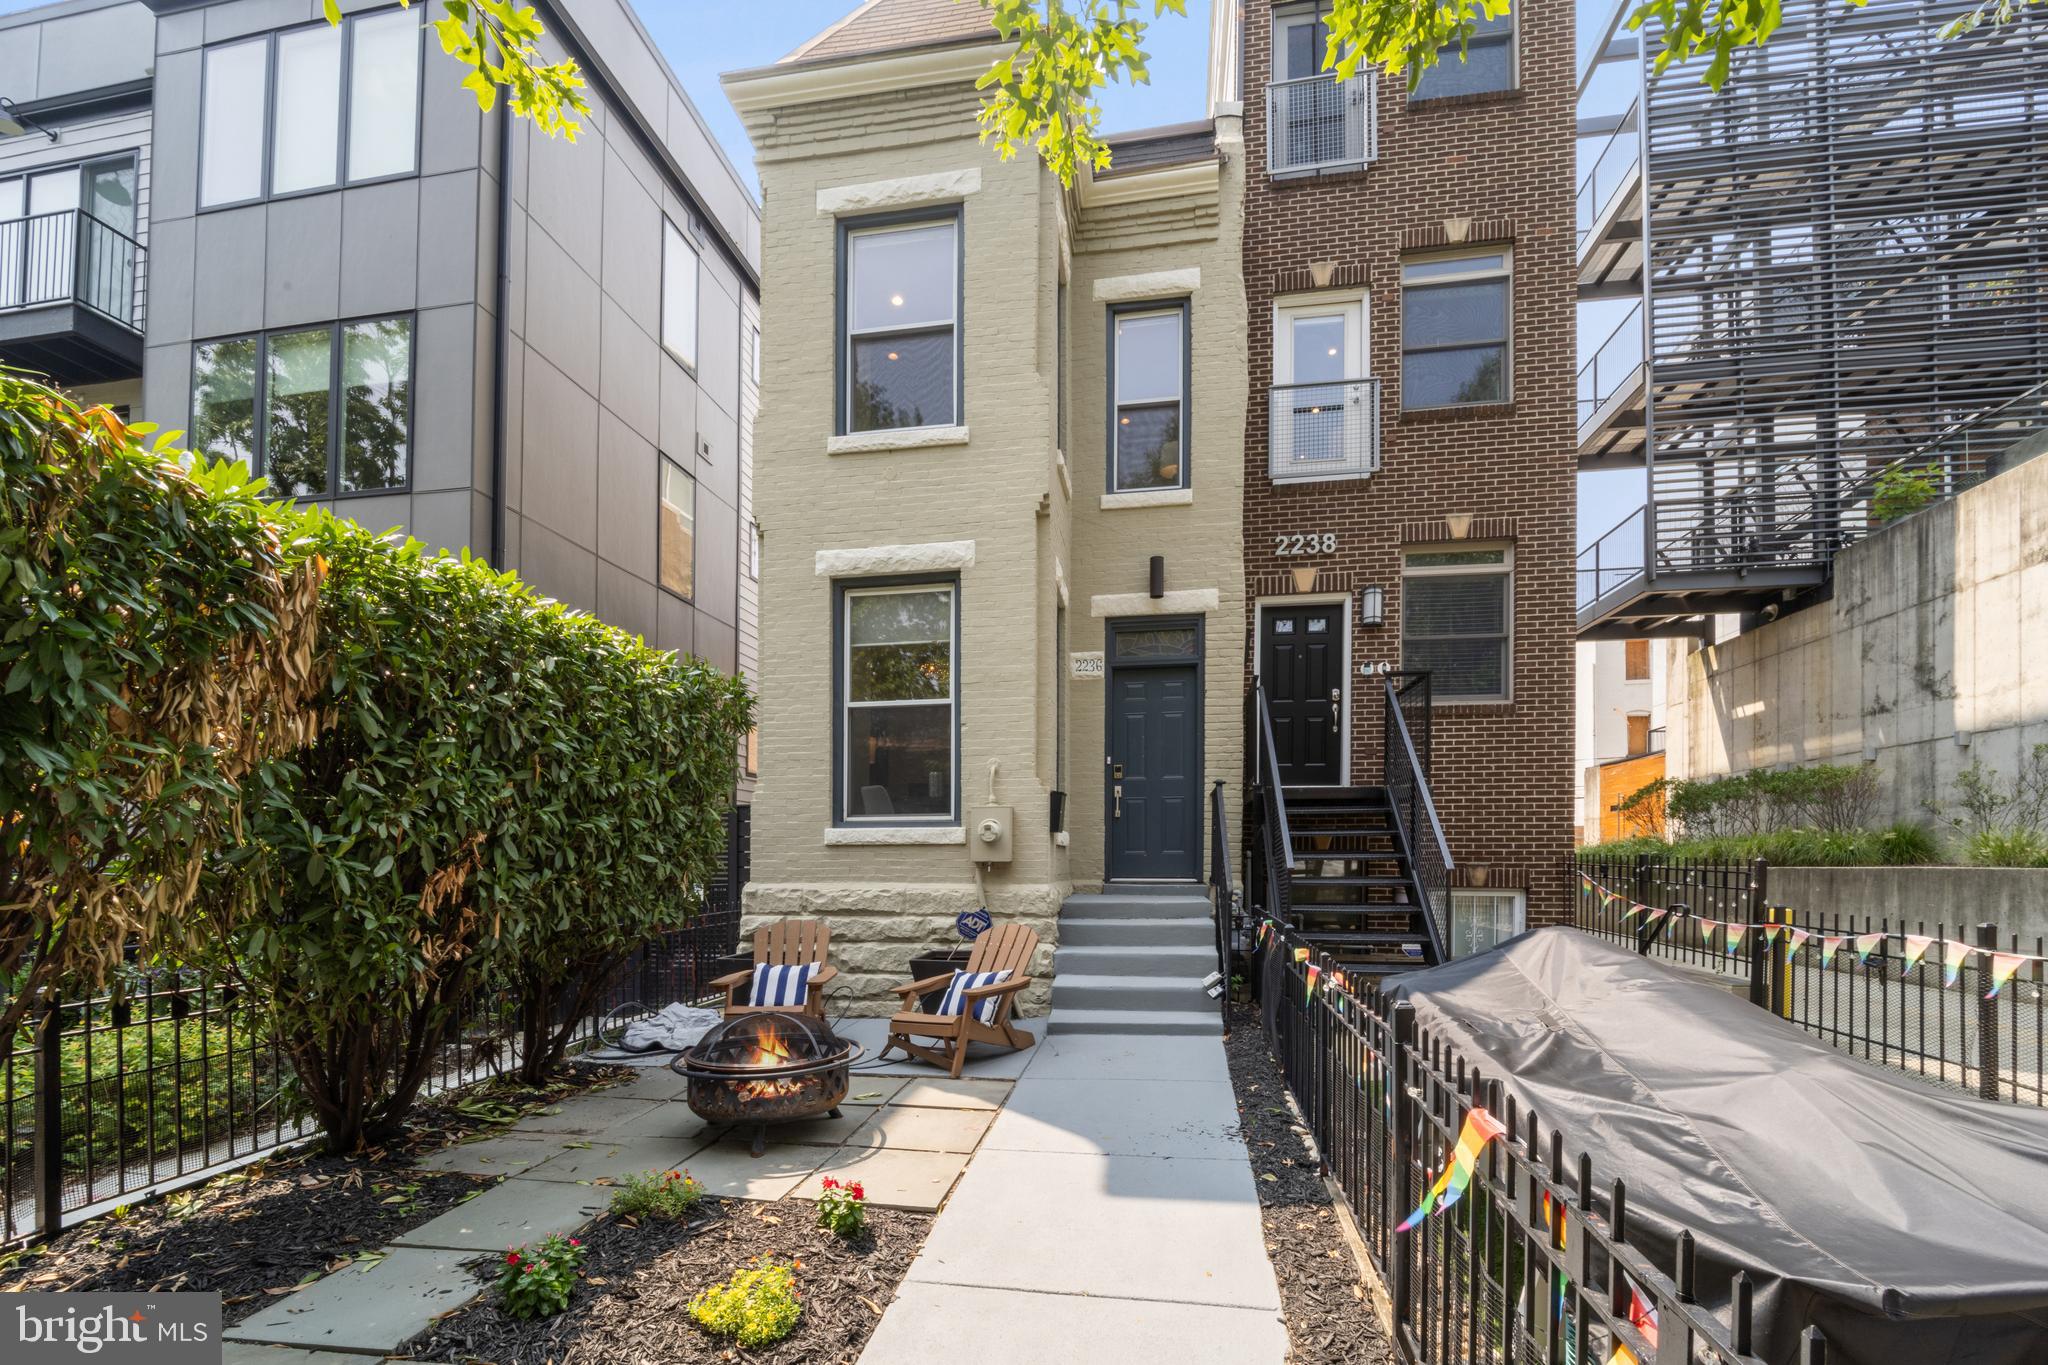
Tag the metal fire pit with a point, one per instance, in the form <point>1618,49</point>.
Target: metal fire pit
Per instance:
<point>767,1068</point>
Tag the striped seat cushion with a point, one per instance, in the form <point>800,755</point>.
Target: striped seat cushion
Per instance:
<point>954,1001</point>
<point>787,985</point>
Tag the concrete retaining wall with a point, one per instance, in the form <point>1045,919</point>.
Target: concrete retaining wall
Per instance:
<point>2013,898</point>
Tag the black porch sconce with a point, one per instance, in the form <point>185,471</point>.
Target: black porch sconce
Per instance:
<point>1372,607</point>
<point>1158,577</point>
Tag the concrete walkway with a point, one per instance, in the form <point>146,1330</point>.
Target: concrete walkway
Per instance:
<point>1108,1216</point>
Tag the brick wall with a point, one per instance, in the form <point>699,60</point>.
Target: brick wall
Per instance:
<point>1476,170</point>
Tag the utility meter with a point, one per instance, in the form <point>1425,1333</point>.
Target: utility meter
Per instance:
<point>988,833</point>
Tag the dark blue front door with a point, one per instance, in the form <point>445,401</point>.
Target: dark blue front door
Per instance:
<point>1154,795</point>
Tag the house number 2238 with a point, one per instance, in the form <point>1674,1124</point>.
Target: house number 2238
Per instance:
<point>1306,543</point>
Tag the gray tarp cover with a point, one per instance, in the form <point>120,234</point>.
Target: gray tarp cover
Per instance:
<point>1909,1223</point>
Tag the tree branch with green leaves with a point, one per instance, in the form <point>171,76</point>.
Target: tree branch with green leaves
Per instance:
<point>500,44</point>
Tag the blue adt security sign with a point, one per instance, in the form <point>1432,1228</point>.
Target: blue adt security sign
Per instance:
<point>111,1329</point>
<point>972,924</point>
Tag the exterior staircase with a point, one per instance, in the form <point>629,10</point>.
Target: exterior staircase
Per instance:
<point>1355,893</point>
<point>1131,961</point>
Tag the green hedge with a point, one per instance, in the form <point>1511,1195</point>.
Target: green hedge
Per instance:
<point>1902,845</point>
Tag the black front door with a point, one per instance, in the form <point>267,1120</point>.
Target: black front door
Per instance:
<point>1301,670</point>
<point>1153,794</point>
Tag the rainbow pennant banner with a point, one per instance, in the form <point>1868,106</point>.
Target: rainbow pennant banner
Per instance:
<point>1866,944</point>
<point>1309,993</point>
<point>1795,939</point>
<point>2003,967</point>
<point>1916,948</point>
<point>1954,953</point>
<point>1828,944</point>
<point>1301,954</point>
<point>1480,1128</point>
<point>1735,935</point>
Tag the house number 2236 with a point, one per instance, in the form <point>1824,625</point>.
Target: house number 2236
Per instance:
<point>1306,543</point>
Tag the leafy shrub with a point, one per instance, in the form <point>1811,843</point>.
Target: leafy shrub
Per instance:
<point>155,643</point>
<point>657,1194</point>
<point>1830,798</point>
<point>535,1281</point>
<point>1985,802</point>
<point>2012,846</point>
<point>1900,845</point>
<point>1642,810</point>
<point>843,1208</point>
<point>754,1307</point>
<point>1900,492</point>
<point>1905,844</point>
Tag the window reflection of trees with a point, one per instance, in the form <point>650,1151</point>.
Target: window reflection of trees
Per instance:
<point>376,403</point>
<point>295,438</point>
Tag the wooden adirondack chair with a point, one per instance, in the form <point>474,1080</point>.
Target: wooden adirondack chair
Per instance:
<point>786,942</point>
<point>1000,947</point>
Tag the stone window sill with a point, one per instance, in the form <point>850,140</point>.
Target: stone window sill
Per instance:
<point>1150,497</point>
<point>906,438</point>
<point>1470,412</point>
<point>893,836</point>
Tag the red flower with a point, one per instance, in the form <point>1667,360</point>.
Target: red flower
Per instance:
<point>857,1191</point>
<point>830,1183</point>
<point>574,1243</point>
<point>511,1258</point>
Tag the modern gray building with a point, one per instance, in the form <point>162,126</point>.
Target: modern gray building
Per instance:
<point>304,245</point>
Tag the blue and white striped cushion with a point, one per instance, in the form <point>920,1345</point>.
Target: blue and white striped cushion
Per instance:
<point>789,985</point>
<point>955,999</point>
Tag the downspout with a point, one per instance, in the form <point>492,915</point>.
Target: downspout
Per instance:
<point>502,293</point>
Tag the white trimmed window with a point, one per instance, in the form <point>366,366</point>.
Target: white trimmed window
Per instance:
<point>1454,330</point>
<point>900,318</point>
<point>897,732</point>
<point>1484,919</point>
<point>1148,375</point>
<point>1457,620</point>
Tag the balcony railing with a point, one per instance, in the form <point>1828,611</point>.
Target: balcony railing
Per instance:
<point>70,257</point>
<point>1323,431</point>
<point>1612,365</point>
<point>1612,169</point>
<point>1319,123</point>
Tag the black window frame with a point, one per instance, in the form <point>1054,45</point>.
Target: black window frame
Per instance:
<point>1138,308</point>
<point>1505,274</point>
<point>1438,694</point>
<point>661,464</point>
<point>342,181</point>
<point>260,452</point>
<point>842,337</point>
<point>841,588</point>
<point>1451,52</point>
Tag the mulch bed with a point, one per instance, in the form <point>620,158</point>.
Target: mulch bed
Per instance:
<point>1323,1297</point>
<point>632,1308</point>
<point>264,1229</point>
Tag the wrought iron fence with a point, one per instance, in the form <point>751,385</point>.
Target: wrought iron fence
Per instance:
<point>1535,1263</point>
<point>1915,996</point>
<point>1405,759</point>
<point>172,1074</point>
<point>70,257</point>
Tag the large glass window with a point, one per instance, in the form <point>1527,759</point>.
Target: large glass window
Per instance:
<point>1454,330</point>
<point>376,399</point>
<point>236,78</point>
<point>317,410</point>
<point>1457,620</point>
<point>678,294</point>
<point>1147,427</point>
<point>305,136</point>
<point>678,529</point>
<point>897,697</point>
<point>310,108</point>
<point>224,399</point>
<point>901,319</point>
<point>383,94</point>
<point>1489,62</point>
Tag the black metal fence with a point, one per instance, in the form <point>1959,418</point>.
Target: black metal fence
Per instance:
<point>171,1074</point>
<point>1535,1263</point>
<point>1917,996</point>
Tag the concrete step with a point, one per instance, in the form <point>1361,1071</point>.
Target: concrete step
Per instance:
<point>1128,905</point>
<point>1088,932</point>
<point>1197,1023</point>
<point>1071,990</point>
<point>1135,959</point>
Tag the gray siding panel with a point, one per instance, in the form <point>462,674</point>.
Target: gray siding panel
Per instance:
<point>627,492</point>
<point>560,476</point>
<point>561,310</point>
<point>444,342</point>
<point>227,287</point>
<point>450,243</point>
<point>631,361</point>
<point>302,265</point>
<point>380,238</point>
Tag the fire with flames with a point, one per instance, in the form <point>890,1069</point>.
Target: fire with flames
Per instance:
<point>772,1050</point>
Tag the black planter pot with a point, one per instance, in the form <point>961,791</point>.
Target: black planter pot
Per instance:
<point>937,963</point>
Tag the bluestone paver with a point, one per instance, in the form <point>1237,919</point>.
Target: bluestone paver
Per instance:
<point>928,1323</point>
<point>511,1214</point>
<point>1087,1056</point>
<point>493,1155</point>
<point>945,1093</point>
<point>373,1312</point>
<point>923,1130</point>
<point>868,1088</point>
<point>244,1353</point>
<point>889,1178</point>
<point>584,1114</point>
<point>729,1169</point>
<point>601,1160</point>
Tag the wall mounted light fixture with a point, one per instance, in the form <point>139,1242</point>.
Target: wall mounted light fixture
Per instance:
<point>1372,606</point>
